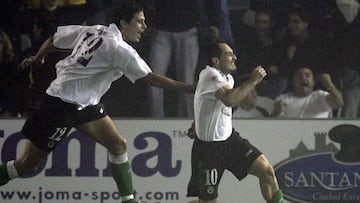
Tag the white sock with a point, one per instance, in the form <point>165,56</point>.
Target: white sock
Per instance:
<point>127,197</point>
<point>118,159</point>
<point>12,170</point>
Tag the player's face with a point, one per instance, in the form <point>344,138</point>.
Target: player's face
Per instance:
<point>227,59</point>
<point>303,82</point>
<point>133,30</point>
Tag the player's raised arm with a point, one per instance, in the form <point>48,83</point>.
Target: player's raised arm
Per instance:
<point>233,96</point>
<point>45,48</point>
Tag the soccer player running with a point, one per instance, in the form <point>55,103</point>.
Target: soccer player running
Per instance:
<point>217,146</point>
<point>100,55</point>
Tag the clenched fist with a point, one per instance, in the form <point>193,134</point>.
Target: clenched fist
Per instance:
<point>258,74</point>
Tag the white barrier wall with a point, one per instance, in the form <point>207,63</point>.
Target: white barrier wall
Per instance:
<point>160,154</point>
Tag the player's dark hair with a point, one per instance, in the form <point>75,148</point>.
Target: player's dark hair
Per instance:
<point>125,11</point>
<point>213,50</point>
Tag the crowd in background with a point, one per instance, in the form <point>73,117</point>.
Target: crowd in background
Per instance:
<point>282,36</point>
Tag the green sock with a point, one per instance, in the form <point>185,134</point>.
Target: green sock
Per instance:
<point>130,201</point>
<point>123,178</point>
<point>4,176</point>
<point>277,197</point>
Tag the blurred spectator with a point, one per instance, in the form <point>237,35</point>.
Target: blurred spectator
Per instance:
<point>281,8</point>
<point>96,9</point>
<point>253,106</point>
<point>50,5</point>
<point>7,72</point>
<point>89,12</point>
<point>72,2</point>
<point>302,45</point>
<point>305,102</point>
<point>42,27</point>
<point>23,21</point>
<point>263,48</point>
<point>23,38</point>
<point>66,11</point>
<point>6,49</point>
<point>37,79</point>
<point>56,12</point>
<point>344,28</point>
<point>174,47</point>
<point>215,19</point>
<point>7,10</point>
<point>250,108</point>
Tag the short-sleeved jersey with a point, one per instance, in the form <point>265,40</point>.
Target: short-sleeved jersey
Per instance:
<point>312,106</point>
<point>99,56</point>
<point>212,117</point>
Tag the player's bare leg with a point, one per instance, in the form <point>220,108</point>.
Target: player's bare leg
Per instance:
<point>26,164</point>
<point>105,132</point>
<point>267,179</point>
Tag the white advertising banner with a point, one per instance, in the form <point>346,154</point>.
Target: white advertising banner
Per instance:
<point>315,161</point>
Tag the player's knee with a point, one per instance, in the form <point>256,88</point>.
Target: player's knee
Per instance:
<point>264,171</point>
<point>27,168</point>
<point>118,147</point>
<point>269,172</point>
<point>33,169</point>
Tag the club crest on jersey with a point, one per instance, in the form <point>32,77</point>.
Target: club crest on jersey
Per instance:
<point>210,190</point>
<point>216,79</point>
<point>226,111</point>
<point>51,144</point>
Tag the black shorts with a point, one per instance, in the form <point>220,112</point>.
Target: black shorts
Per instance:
<point>51,123</point>
<point>210,159</point>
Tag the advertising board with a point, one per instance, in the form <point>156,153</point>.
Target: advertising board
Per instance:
<point>312,163</point>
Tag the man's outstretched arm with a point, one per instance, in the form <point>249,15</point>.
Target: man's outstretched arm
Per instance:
<point>45,48</point>
<point>157,80</point>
